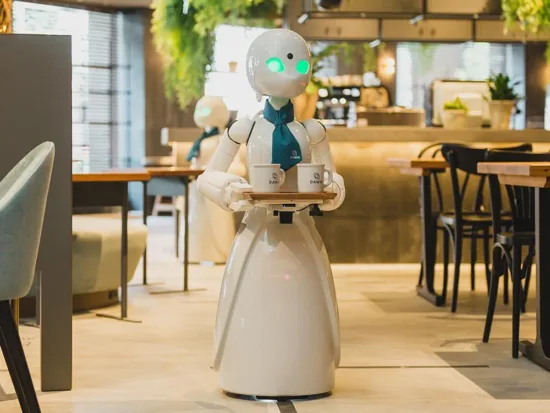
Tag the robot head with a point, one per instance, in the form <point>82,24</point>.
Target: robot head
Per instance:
<point>278,64</point>
<point>211,112</point>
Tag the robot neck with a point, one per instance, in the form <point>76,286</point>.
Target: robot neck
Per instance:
<point>278,103</point>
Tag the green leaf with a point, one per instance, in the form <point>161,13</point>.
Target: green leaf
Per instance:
<point>186,41</point>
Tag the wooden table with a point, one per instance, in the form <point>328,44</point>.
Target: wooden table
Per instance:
<point>108,189</point>
<point>424,168</point>
<point>534,175</point>
<point>174,181</point>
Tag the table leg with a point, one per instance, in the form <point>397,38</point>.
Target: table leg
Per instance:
<point>429,241</point>
<point>539,352</point>
<point>124,257</point>
<point>123,262</point>
<point>177,232</point>
<point>145,209</point>
<point>186,236</point>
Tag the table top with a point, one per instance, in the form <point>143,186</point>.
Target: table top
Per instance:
<point>121,175</point>
<point>173,171</point>
<point>515,168</point>
<point>532,174</point>
<point>289,196</point>
<point>417,166</point>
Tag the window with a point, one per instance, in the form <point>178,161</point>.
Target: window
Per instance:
<point>419,64</point>
<point>228,81</point>
<point>99,117</point>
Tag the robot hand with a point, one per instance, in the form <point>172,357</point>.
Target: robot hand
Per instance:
<point>337,186</point>
<point>233,196</point>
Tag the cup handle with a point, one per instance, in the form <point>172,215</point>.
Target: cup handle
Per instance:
<point>328,181</point>
<point>282,177</point>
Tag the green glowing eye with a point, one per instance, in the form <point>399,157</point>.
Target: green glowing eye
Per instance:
<point>302,67</point>
<point>204,111</point>
<point>275,64</point>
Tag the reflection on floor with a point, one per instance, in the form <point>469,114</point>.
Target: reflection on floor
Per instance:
<point>399,354</point>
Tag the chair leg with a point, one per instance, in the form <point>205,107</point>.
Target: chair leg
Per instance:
<point>516,299</point>
<point>473,259</point>
<point>445,262</point>
<point>507,274</point>
<point>527,268</point>
<point>177,219</point>
<point>421,275</point>
<point>457,260</point>
<point>15,359</point>
<point>487,258</point>
<point>493,295</point>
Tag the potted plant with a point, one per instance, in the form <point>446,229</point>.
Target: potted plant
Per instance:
<point>185,40</point>
<point>503,100</point>
<point>454,114</point>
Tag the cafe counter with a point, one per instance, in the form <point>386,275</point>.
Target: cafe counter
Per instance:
<point>379,221</point>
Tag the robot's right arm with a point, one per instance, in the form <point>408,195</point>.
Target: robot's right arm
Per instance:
<point>225,189</point>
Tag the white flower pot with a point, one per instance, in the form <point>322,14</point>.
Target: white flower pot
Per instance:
<point>501,112</point>
<point>454,119</point>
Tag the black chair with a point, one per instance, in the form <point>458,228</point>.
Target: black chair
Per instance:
<point>433,151</point>
<point>460,224</point>
<point>508,250</point>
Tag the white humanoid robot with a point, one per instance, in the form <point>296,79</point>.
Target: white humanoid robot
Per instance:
<point>212,230</point>
<point>277,329</point>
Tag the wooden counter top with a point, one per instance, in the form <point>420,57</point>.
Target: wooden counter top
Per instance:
<point>432,134</point>
<point>122,175</point>
<point>173,171</point>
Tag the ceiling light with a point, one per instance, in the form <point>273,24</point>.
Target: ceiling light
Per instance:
<point>375,43</point>
<point>416,19</point>
<point>302,19</point>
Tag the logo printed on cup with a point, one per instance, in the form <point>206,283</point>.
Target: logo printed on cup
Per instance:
<point>267,177</point>
<point>313,177</point>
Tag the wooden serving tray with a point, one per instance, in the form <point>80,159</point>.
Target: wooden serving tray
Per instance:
<point>289,196</point>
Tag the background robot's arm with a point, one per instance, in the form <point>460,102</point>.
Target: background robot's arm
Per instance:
<point>320,150</point>
<point>221,187</point>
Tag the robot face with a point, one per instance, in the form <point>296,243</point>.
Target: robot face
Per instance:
<point>279,64</point>
<point>211,112</point>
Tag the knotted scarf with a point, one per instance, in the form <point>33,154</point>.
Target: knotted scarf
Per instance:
<point>285,149</point>
<point>196,148</point>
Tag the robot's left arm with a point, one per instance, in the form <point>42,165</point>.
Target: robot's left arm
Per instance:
<point>321,153</point>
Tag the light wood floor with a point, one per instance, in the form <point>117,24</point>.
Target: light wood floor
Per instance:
<point>399,354</point>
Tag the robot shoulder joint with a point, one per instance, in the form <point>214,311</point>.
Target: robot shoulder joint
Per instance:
<point>316,130</point>
<point>240,130</point>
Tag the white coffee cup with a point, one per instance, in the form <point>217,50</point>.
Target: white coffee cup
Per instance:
<point>313,177</point>
<point>267,177</point>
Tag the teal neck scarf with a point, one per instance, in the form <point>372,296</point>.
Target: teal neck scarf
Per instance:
<point>196,148</point>
<point>285,149</point>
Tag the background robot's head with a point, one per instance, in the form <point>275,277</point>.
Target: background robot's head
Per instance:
<point>211,112</point>
<point>279,64</point>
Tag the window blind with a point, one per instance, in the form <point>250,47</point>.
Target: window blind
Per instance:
<point>98,93</point>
